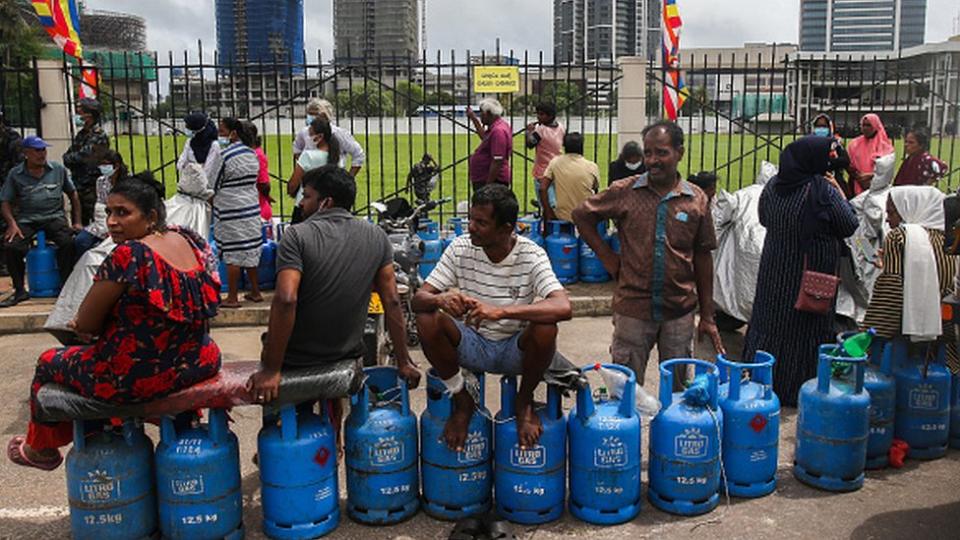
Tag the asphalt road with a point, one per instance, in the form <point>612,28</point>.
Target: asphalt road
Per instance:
<point>919,501</point>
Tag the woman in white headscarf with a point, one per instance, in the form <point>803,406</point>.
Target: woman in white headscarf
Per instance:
<point>917,271</point>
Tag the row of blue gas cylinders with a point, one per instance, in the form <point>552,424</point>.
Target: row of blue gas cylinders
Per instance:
<point>849,417</point>
<point>266,269</point>
<point>571,258</point>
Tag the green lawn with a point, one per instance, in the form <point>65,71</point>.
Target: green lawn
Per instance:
<point>389,158</point>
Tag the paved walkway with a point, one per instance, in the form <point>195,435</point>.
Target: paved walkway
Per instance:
<point>918,502</point>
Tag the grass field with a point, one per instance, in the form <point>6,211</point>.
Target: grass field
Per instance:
<point>389,157</point>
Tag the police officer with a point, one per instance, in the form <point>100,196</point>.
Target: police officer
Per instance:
<point>84,156</point>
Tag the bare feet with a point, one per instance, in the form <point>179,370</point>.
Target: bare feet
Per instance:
<point>455,430</point>
<point>529,427</point>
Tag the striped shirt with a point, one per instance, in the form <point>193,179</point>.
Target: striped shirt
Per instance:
<point>519,279</point>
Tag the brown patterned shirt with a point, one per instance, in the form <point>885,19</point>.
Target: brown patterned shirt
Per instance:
<point>658,239</point>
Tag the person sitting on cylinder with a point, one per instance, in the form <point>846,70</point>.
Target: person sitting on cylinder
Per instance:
<point>570,178</point>
<point>492,304</point>
<point>147,339</point>
<point>36,188</point>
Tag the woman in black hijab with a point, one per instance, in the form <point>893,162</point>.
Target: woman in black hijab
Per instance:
<point>807,217</point>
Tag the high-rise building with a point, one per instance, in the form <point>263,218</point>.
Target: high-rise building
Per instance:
<point>376,28</point>
<point>861,25</point>
<point>255,32</point>
<point>600,31</point>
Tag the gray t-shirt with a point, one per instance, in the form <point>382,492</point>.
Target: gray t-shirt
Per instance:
<point>338,256</point>
<point>38,200</point>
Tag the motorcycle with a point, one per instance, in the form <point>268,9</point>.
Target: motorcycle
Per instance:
<point>401,222</point>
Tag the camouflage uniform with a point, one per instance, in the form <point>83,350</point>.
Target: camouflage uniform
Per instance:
<point>10,154</point>
<point>83,160</point>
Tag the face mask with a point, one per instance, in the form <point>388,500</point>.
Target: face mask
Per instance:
<point>821,131</point>
<point>78,120</point>
<point>223,141</point>
<point>633,166</point>
<point>311,159</point>
<point>310,119</point>
<point>190,133</point>
<point>107,170</point>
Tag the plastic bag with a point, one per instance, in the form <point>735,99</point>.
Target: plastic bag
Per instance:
<point>614,382</point>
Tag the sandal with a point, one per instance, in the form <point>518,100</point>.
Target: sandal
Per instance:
<point>230,305</point>
<point>252,298</point>
<point>499,529</point>
<point>17,455</point>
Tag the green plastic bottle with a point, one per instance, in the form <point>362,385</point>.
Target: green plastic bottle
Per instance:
<point>858,345</point>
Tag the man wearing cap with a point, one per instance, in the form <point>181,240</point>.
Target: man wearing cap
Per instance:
<point>36,188</point>
<point>84,156</point>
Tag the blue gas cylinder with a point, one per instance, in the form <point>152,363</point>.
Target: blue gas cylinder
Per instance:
<point>456,230</point>
<point>955,413</point>
<point>383,479</point>
<point>530,482</point>
<point>198,481</point>
<point>685,443</point>
<point>923,399</point>
<point>455,484</point>
<point>591,269</point>
<point>833,424</point>
<point>879,381</point>
<point>751,425</point>
<point>562,251</point>
<point>43,277</point>
<point>221,266</point>
<point>432,248</point>
<point>529,227</point>
<point>267,269</point>
<point>605,454</point>
<point>110,483</point>
<point>298,474</point>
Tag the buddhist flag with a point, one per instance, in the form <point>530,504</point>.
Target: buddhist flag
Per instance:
<point>674,89</point>
<point>61,19</point>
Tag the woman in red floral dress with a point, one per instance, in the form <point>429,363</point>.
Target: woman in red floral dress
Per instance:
<point>148,311</point>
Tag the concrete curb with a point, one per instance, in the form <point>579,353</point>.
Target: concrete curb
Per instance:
<point>32,322</point>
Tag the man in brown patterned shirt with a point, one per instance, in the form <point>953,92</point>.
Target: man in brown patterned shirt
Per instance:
<point>665,265</point>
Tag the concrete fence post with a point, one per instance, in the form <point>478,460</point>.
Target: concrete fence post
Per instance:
<point>55,113</point>
<point>632,100</point>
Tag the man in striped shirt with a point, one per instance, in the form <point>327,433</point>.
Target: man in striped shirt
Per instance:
<point>492,304</point>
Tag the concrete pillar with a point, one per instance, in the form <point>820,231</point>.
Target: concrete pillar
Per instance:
<point>632,100</point>
<point>55,113</point>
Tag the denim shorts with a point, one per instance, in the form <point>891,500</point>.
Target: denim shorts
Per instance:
<point>477,353</point>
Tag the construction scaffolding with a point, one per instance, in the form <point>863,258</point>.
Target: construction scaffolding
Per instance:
<point>110,30</point>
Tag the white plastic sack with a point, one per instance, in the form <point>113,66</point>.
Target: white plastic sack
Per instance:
<point>189,207</point>
<point>740,239</point>
<point>77,286</point>
<point>855,291</point>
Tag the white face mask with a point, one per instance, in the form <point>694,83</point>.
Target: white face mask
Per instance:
<point>633,166</point>
<point>311,159</point>
<point>107,170</point>
<point>223,141</point>
<point>310,119</point>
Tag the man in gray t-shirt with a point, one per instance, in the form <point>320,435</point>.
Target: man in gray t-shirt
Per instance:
<point>327,266</point>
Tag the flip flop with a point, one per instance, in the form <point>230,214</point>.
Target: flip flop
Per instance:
<point>499,529</point>
<point>14,299</point>
<point>228,305</point>
<point>252,298</point>
<point>17,455</point>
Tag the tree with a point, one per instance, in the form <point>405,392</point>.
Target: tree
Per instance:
<point>567,96</point>
<point>372,101</point>
<point>698,101</point>
<point>407,97</point>
<point>19,40</point>
<point>440,97</point>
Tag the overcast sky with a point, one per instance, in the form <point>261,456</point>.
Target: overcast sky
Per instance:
<point>520,24</point>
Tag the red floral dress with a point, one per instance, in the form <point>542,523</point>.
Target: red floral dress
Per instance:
<point>155,340</point>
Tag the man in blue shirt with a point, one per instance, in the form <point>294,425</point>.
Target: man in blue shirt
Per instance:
<point>36,187</point>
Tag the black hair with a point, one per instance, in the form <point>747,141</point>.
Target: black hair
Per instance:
<point>573,143</point>
<point>703,180</point>
<point>921,135</point>
<point>334,182</point>
<point>547,108</point>
<point>112,156</point>
<point>232,124</point>
<point>254,133</point>
<point>630,150</point>
<point>321,126</point>
<point>671,129</point>
<point>146,193</point>
<point>501,198</point>
<point>951,214</point>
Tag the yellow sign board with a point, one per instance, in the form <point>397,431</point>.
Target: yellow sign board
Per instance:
<point>496,79</point>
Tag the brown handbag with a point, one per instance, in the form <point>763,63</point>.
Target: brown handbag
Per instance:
<point>817,291</point>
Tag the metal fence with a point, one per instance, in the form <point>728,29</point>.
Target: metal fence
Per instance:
<point>742,108</point>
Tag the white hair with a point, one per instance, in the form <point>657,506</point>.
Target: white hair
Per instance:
<point>323,107</point>
<point>491,106</point>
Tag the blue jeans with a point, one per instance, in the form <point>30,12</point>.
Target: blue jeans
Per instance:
<point>477,353</point>
<point>83,242</point>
